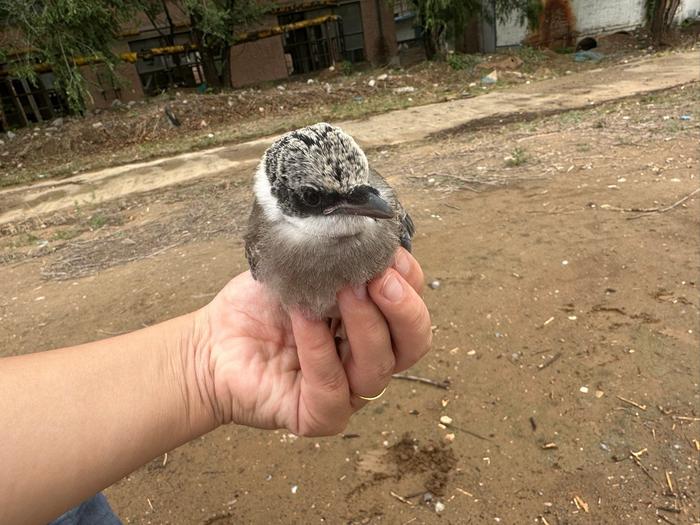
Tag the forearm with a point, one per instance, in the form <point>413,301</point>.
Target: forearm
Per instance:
<point>78,419</point>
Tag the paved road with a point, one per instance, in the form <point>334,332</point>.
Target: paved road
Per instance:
<point>566,93</point>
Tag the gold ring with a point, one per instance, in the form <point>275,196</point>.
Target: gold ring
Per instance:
<point>372,398</point>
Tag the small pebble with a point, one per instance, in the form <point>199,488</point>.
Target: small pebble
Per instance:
<point>295,488</point>
<point>445,420</point>
<point>439,506</point>
<point>584,389</point>
<point>434,284</point>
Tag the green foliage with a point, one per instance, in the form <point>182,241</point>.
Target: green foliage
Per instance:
<point>346,68</point>
<point>530,13</point>
<point>214,25</point>
<point>440,17</point>
<point>460,61</point>
<point>97,221</point>
<point>57,31</point>
<point>531,55</point>
<point>517,157</point>
<point>216,19</point>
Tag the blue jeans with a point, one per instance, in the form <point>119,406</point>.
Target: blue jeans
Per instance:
<point>95,511</point>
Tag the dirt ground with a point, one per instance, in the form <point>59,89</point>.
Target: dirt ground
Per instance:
<point>565,320</point>
<point>140,130</point>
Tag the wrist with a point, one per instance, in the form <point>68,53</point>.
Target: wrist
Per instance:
<point>194,376</point>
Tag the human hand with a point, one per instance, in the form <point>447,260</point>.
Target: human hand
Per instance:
<point>259,366</point>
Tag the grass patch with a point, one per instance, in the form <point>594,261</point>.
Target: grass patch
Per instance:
<point>517,157</point>
<point>463,62</point>
<point>97,221</point>
<point>65,235</point>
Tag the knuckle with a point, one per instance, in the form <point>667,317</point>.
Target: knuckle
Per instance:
<point>419,318</point>
<point>374,326</point>
<point>334,383</point>
<point>385,367</point>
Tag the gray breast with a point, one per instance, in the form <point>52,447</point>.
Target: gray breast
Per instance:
<point>309,273</point>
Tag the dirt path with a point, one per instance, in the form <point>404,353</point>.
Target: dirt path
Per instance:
<point>563,94</point>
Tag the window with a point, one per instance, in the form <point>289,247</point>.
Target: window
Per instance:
<point>353,33</point>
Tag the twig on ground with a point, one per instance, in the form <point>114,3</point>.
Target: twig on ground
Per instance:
<point>669,482</point>
<point>550,362</point>
<point>401,498</point>
<point>473,434</point>
<point>664,518</point>
<point>636,459</point>
<point>657,209</point>
<point>630,402</point>
<point>686,418</point>
<point>444,385</point>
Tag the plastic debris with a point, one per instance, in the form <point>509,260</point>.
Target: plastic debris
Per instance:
<point>583,56</point>
<point>491,78</point>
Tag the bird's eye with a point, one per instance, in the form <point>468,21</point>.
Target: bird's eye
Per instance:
<point>311,197</point>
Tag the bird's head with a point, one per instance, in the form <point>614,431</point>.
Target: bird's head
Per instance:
<point>317,178</point>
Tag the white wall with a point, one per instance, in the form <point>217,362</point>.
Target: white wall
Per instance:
<point>511,33</point>
<point>595,17</point>
<point>688,9</point>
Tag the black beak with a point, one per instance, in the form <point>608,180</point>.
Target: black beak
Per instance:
<point>370,205</point>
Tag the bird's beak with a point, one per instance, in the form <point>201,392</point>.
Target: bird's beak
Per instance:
<point>371,205</point>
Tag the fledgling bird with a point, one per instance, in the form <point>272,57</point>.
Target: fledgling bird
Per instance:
<point>321,219</point>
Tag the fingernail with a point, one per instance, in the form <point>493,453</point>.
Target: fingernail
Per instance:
<point>360,291</point>
<point>401,263</point>
<point>392,289</point>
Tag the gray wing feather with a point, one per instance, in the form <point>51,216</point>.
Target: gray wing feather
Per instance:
<point>407,228</point>
<point>252,238</point>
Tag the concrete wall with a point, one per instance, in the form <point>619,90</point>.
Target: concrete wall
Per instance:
<point>689,9</point>
<point>595,17</point>
<point>103,94</point>
<point>258,61</point>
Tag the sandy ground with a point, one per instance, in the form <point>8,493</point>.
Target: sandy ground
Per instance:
<point>566,323</point>
<point>575,91</point>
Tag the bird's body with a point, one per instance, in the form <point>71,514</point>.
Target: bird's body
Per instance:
<point>321,219</point>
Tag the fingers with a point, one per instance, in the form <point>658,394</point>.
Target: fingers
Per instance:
<point>406,315</point>
<point>408,267</point>
<point>371,360</point>
<point>324,404</point>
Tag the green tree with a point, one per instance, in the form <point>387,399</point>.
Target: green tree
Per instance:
<point>440,18</point>
<point>213,24</point>
<point>55,32</point>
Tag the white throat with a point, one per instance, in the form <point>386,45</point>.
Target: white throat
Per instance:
<point>322,227</point>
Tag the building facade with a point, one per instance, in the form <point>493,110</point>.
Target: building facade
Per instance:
<point>297,37</point>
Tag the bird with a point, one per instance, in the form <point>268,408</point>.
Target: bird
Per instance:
<point>321,219</point>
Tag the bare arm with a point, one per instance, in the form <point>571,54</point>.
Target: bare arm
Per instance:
<point>78,419</point>
<point>74,421</point>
